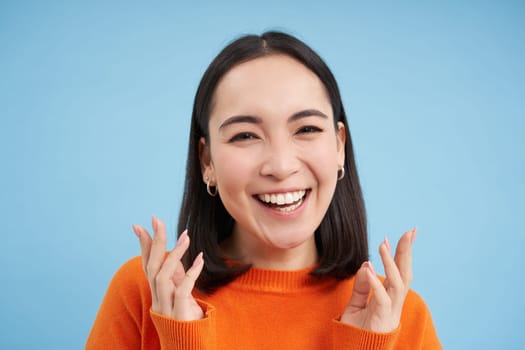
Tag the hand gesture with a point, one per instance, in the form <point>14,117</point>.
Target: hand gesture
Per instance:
<point>377,306</point>
<point>170,284</point>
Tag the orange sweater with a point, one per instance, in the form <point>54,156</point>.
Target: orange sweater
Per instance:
<point>261,309</point>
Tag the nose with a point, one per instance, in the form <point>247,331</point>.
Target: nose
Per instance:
<point>280,161</point>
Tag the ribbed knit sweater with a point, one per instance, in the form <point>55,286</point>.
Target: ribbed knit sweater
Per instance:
<point>262,309</point>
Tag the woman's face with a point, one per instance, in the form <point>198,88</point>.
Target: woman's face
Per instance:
<point>273,151</point>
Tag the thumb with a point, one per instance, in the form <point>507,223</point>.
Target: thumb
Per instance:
<point>361,291</point>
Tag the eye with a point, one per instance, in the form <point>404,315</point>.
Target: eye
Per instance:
<point>243,136</point>
<point>309,129</point>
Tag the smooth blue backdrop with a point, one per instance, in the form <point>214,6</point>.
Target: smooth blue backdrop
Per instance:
<point>95,102</point>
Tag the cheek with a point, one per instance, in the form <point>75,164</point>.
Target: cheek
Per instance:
<point>324,159</point>
<point>232,169</point>
<point>233,173</point>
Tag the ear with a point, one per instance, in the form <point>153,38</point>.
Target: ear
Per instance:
<point>205,159</point>
<point>341,139</point>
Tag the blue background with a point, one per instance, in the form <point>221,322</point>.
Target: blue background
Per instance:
<point>95,104</point>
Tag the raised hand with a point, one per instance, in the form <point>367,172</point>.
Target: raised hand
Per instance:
<point>170,284</point>
<point>377,306</point>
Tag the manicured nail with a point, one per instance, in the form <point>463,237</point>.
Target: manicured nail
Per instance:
<point>136,230</point>
<point>154,223</point>
<point>199,259</point>
<point>371,268</point>
<point>387,243</point>
<point>183,237</point>
<point>413,235</point>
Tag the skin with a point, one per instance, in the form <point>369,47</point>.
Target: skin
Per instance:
<point>287,145</point>
<point>265,140</point>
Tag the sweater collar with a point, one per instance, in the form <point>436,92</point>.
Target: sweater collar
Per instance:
<point>281,281</point>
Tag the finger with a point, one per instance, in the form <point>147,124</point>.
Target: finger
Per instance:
<point>171,266</point>
<point>403,256</point>
<point>361,290</point>
<point>393,282</point>
<point>179,274</point>
<point>188,282</point>
<point>380,295</point>
<point>158,249</point>
<point>184,305</point>
<point>145,244</point>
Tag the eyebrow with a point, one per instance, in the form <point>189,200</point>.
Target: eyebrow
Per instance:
<point>258,120</point>
<point>307,113</point>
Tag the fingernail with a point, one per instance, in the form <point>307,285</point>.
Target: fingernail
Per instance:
<point>413,235</point>
<point>371,268</point>
<point>199,259</point>
<point>387,243</point>
<point>154,223</point>
<point>136,230</point>
<point>183,237</point>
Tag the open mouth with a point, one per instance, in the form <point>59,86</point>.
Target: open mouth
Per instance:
<point>284,202</point>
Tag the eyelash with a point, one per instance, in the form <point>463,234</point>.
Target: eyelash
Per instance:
<point>243,136</point>
<point>309,129</point>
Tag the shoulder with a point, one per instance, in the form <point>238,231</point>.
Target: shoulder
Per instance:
<point>416,314</point>
<point>417,324</point>
<point>414,303</point>
<point>130,280</point>
<point>132,267</point>
<point>130,270</point>
<point>123,309</point>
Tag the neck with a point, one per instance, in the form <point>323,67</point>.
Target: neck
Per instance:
<point>265,256</point>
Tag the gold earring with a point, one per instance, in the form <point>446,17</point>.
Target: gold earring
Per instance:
<point>341,173</point>
<point>208,188</point>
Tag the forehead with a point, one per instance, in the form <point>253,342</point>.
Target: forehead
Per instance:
<point>277,83</point>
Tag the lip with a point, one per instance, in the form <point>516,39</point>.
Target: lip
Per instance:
<point>283,190</point>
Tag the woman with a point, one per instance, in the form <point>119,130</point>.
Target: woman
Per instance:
<point>273,252</point>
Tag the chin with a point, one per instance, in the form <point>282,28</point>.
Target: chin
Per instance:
<point>288,241</point>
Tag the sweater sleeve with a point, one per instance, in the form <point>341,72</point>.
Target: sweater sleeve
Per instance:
<point>186,335</point>
<point>416,331</point>
<point>349,337</point>
<point>125,319</point>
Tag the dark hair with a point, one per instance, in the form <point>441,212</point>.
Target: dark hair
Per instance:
<point>341,238</point>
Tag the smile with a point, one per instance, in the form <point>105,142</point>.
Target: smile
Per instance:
<point>284,202</point>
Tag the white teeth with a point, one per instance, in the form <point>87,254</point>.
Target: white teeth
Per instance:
<point>282,198</point>
<point>290,207</point>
